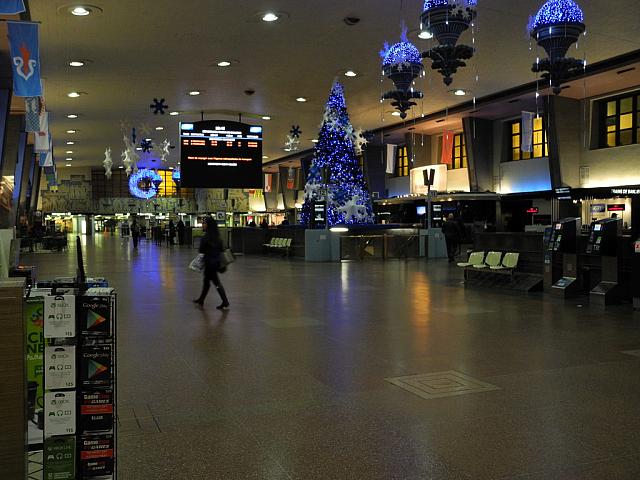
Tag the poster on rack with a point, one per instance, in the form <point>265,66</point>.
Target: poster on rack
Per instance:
<point>34,345</point>
<point>96,366</point>
<point>60,367</point>
<point>96,411</point>
<point>95,315</point>
<point>96,455</point>
<point>59,413</point>
<point>59,458</point>
<point>60,316</point>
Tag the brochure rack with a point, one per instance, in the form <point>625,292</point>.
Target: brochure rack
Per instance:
<point>79,417</point>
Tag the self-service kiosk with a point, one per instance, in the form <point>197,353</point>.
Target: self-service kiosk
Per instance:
<point>603,242</point>
<point>635,280</point>
<point>561,257</point>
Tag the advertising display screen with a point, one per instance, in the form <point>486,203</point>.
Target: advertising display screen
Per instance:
<point>617,207</point>
<point>220,154</point>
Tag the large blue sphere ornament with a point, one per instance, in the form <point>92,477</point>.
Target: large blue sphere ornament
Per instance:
<point>144,184</point>
<point>402,52</point>
<point>557,26</point>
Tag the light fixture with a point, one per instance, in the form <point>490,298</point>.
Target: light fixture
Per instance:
<point>264,157</point>
<point>80,11</point>
<point>270,17</point>
<point>425,35</point>
<point>301,99</point>
<point>72,115</point>
<point>224,63</point>
<point>120,166</point>
<point>68,165</point>
<point>266,117</point>
<point>339,229</point>
<point>459,92</point>
<point>71,131</point>
<point>147,139</point>
<point>73,94</point>
<point>71,143</point>
<point>77,63</point>
<point>138,148</point>
<point>173,114</point>
<point>396,114</point>
<point>69,152</point>
<point>315,140</point>
<point>68,159</point>
<point>287,149</point>
<point>350,73</point>
<point>159,128</point>
<point>194,93</point>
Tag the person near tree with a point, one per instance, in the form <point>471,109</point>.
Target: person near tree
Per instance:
<point>180,228</point>
<point>451,236</point>
<point>135,233</point>
<point>211,248</point>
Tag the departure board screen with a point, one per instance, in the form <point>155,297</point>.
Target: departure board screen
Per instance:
<point>220,154</point>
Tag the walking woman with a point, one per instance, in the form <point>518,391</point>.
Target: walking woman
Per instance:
<point>211,248</point>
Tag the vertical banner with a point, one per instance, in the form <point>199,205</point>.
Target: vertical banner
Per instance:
<point>268,182</point>
<point>291,178</point>
<point>526,141</point>
<point>42,142</point>
<point>447,148</point>
<point>391,158</point>
<point>25,59</point>
<point>32,114</point>
<point>11,7</point>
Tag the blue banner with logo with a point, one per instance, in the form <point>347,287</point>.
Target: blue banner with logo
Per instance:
<point>25,59</point>
<point>11,7</point>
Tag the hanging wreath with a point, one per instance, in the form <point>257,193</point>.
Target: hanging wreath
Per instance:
<point>144,184</point>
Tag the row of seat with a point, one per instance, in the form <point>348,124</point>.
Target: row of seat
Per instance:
<point>279,243</point>
<point>492,261</point>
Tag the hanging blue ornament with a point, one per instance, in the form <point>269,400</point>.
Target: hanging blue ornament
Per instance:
<point>158,106</point>
<point>146,145</point>
<point>295,131</point>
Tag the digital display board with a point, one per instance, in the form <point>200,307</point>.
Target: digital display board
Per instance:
<point>220,154</point>
<point>616,207</point>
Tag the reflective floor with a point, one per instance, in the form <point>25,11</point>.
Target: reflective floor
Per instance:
<point>299,379</point>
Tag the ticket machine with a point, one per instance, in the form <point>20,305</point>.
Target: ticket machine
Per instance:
<point>562,266</point>
<point>603,242</point>
<point>635,285</point>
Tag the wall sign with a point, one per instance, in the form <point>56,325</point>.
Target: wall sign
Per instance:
<point>533,210</point>
<point>598,208</point>
<point>616,207</point>
<point>625,191</point>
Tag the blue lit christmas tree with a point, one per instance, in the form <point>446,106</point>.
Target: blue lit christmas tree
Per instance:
<point>349,200</point>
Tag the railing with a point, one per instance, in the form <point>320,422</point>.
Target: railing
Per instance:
<point>380,247</point>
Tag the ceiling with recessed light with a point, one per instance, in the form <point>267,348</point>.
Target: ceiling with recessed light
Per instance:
<point>133,51</point>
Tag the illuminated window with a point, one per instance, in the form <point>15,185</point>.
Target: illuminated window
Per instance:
<point>402,162</point>
<point>540,142</point>
<point>620,121</point>
<point>459,153</point>
<point>168,187</point>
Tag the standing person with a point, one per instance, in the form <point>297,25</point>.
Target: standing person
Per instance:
<point>135,233</point>
<point>172,233</point>
<point>180,232</point>
<point>451,236</point>
<point>211,248</point>
<point>462,232</point>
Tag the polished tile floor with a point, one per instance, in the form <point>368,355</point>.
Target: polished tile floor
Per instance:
<point>292,382</point>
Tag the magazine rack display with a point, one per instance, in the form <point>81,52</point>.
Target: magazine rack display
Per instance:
<point>73,403</point>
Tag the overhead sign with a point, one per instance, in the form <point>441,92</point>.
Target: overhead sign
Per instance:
<point>221,154</point>
<point>625,191</point>
<point>533,210</point>
<point>563,193</point>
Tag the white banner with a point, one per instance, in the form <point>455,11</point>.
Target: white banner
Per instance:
<point>526,139</point>
<point>391,158</point>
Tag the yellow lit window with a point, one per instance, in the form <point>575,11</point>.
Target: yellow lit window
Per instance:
<point>402,162</point>
<point>540,143</point>
<point>620,121</point>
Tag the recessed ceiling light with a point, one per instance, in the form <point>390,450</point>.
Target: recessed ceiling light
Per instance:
<point>287,149</point>
<point>159,128</point>
<point>315,140</point>
<point>72,115</point>
<point>120,166</point>
<point>73,94</point>
<point>396,114</point>
<point>148,139</point>
<point>173,114</point>
<point>266,117</point>
<point>68,159</point>
<point>77,63</point>
<point>71,131</point>
<point>71,143</point>
<point>80,11</point>
<point>224,63</point>
<point>265,157</point>
<point>459,92</point>
<point>301,99</point>
<point>350,73</point>
<point>270,17</point>
<point>69,152</point>
<point>138,148</point>
<point>425,35</point>
<point>68,165</point>
<point>170,168</point>
<point>194,93</point>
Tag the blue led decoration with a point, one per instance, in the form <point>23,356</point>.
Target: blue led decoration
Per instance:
<point>558,11</point>
<point>402,52</point>
<point>176,175</point>
<point>429,4</point>
<point>150,180</point>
